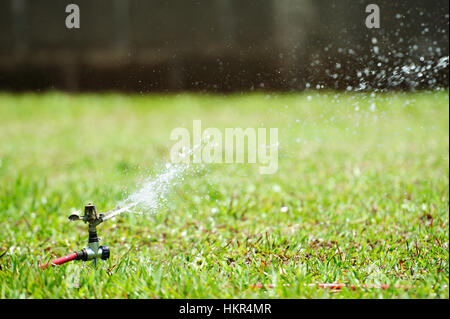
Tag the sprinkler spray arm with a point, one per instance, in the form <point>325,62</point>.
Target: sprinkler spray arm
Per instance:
<point>93,251</point>
<point>91,217</point>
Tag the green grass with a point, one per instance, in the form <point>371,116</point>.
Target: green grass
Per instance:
<point>367,193</point>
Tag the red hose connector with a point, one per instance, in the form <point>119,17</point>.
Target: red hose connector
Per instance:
<point>60,261</point>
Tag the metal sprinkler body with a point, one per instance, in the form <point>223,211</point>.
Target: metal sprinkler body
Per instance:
<point>93,251</point>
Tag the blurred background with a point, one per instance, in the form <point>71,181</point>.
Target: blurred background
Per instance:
<point>221,45</point>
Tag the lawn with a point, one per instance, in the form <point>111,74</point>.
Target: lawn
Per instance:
<point>361,196</point>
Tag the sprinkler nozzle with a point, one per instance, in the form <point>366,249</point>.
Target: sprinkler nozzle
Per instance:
<point>90,216</point>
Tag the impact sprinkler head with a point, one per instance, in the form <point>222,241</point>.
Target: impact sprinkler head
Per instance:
<point>93,251</point>
<point>90,216</point>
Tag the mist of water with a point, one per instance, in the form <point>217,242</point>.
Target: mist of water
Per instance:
<point>153,193</point>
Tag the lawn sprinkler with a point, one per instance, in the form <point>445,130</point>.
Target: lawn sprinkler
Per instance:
<point>93,251</point>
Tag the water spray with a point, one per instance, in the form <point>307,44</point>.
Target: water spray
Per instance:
<point>93,251</point>
<point>148,197</point>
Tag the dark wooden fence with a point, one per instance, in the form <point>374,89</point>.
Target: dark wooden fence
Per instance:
<point>212,45</point>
